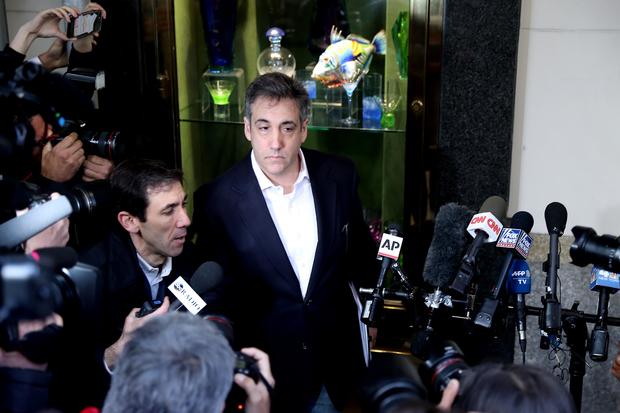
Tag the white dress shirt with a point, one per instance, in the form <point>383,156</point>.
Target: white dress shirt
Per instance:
<point>295,219</point>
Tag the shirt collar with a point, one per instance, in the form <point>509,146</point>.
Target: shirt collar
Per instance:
<point>154,274</point>
<point>265,183</point>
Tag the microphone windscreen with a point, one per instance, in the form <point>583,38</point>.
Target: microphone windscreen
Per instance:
<point>206,277</point>
<point>522,220</point>
<point>555,218</point>
<point>394,229</point>
<point>448,244</point>
<point>55,258</point>
<point>495,205</point>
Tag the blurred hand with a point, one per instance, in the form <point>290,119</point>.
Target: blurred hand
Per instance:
<point>14,359</point>
<point>258,400</point>
<point>449,395</point>
<point>86,43</point>
<point>56,56</point>
<point>60,163</point>
<point>372,336</point>
<point>96,168</point>
<point>132,323</point>
<point>56,235</point>
<point>615,366</point>
<point>44,24</point>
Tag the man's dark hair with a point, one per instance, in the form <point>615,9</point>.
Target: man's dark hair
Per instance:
<point>131,180</point>
<point>175,363</point>
<point>277,86</point>
<point>513,388</point>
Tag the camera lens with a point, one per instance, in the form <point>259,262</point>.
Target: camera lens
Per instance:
<point>589,248</point>
<point>106,144</point>
<point>88,197</point>
<point>443,364</point>
<point>391,382</point>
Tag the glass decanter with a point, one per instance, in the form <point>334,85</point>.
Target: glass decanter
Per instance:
<point>276,58</point>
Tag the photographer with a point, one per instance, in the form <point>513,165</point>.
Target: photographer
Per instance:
<point>24,378</point>
<point>160,372</point>
<point>508,388</point>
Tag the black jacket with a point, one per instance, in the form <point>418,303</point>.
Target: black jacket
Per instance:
<point>311,341</point>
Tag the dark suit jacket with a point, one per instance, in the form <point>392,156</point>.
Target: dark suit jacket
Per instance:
<point>124,287</point>
<point>311,341</point>
<point>124,283</point>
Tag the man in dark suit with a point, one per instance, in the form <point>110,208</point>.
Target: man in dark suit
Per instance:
<point>287,227</point>
<point>144,252</point>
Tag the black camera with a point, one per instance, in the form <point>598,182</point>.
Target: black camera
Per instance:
<point>600,250</point>
<point>31,290</point>
<point>445,362</point>
<point>246,365</point>
<point>394,382</point>
<point>86,198</point>
<point>103,143</point>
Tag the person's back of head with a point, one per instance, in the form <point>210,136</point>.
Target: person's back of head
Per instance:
<point>131,180</point>
<point>176,363</point>
<point>508,388</point>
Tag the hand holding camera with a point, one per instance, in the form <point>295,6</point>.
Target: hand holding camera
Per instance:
<point>61,162</point>
<point>253,374</point>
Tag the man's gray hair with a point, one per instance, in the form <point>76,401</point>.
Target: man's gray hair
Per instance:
<point>176,363</point>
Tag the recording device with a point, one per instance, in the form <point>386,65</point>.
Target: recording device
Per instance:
<point>206,277</point>
<point>442,262</point>
<point>83,198</point>
<point>606,283</point>
<point>589,248</point>
<point>108,144</point>
<point>551,322</point>
<point>247,366</point>
<point>394,382</point>
<point>84,24</point>
<point>517,242</point>
<point>485,227</point>
<point>447,245</point>
<point>520,283</point>
<point>389,250</point>
<point>33,287</point>
<point>27,91</point>
<point>445,362</point>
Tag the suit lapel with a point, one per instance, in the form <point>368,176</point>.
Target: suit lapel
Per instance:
<point>325,195</point>
<point>256,218</point>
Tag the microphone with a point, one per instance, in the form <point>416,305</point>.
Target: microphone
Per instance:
<point>520,283</point>
<point>442,262</point>
<point>606,283</point>
<point>207,276</point>
<point>555,218</point>
<point>516,242</point>
<point>17,230</point>
<point>55,258</point>
<point>485,226</point>
<point>389,250</point>
<point>447,245</point>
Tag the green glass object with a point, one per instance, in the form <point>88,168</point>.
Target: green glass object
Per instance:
<point>400,36</point>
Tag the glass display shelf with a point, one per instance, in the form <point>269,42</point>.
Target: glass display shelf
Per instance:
<point>321,119</point>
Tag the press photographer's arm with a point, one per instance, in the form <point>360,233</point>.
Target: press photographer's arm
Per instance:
<point>44,24</point>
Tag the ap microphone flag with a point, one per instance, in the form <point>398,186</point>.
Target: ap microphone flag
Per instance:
<point>390,246</point>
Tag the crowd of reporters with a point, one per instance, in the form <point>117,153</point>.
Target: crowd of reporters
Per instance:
<point>143,360</point>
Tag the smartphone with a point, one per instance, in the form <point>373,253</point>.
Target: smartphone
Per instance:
<point>84,24</point>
